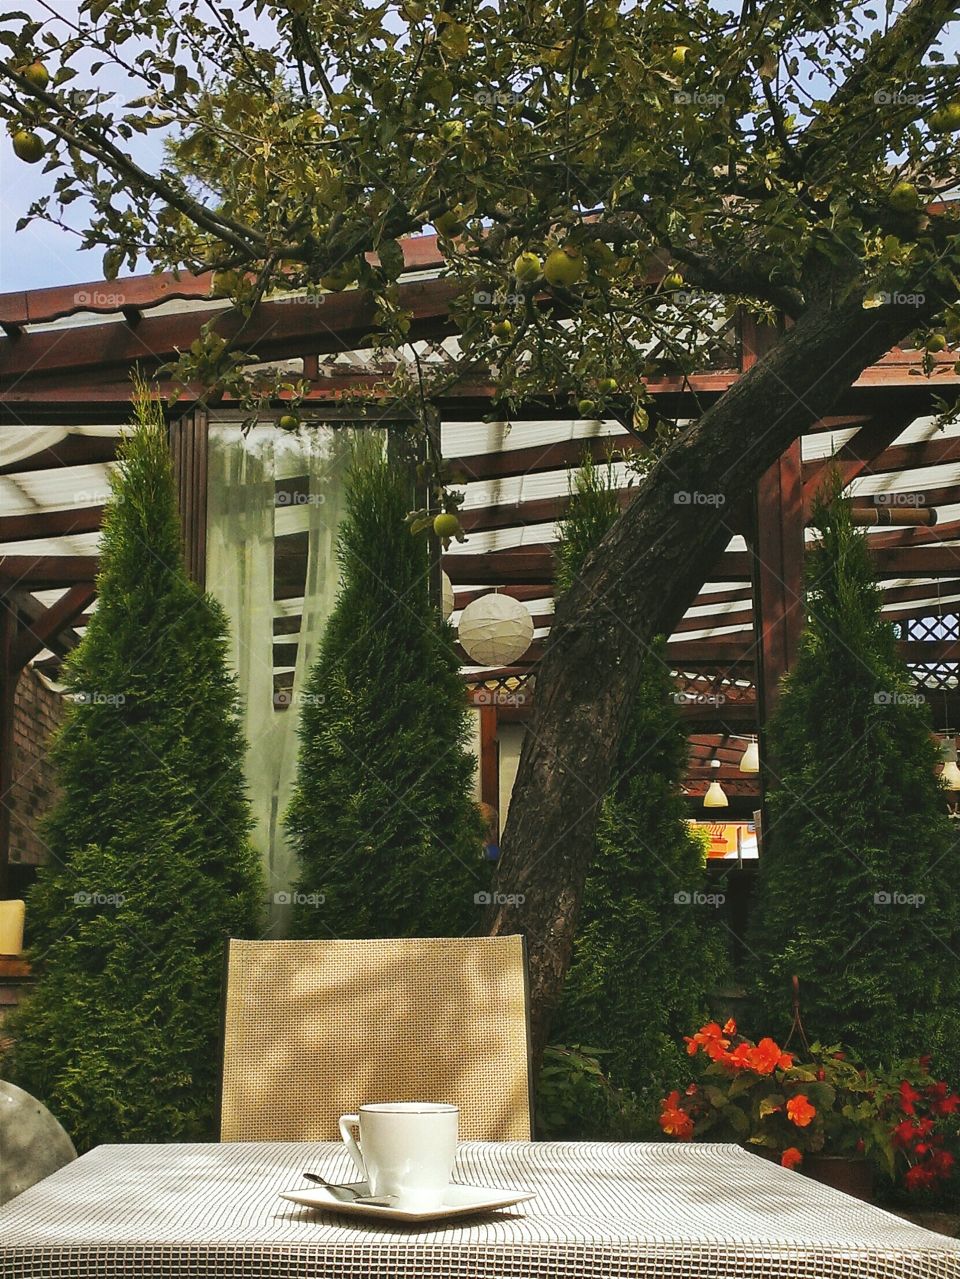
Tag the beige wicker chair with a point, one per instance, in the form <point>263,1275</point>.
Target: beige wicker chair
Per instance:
<point>312,1029</point>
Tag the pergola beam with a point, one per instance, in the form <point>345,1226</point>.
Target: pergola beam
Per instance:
<point>73,450</point>
<point>40,633</point>
<point>43,524</point>
<point>44,572</point>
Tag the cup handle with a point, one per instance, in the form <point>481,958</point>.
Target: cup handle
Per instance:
<point>346,1123</point>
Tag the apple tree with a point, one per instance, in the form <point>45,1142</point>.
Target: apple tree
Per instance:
<point>617,177</point>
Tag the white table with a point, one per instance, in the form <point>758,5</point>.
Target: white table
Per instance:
<point>643,1211</point>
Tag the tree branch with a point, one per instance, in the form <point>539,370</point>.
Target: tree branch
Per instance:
<point>895,54</point>
<point>243,238</point>
<point>635,586</point>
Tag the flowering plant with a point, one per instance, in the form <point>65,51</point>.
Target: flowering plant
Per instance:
<point>830,1103</point>
<point>926,1106</point>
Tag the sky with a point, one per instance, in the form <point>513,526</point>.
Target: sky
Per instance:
<point>45,255</point>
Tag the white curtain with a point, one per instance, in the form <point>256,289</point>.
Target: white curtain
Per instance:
<point>243,522</point>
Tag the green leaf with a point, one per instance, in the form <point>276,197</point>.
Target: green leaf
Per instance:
<point>112,261</point>
<point>737,1120</point>
<point>391,258</point>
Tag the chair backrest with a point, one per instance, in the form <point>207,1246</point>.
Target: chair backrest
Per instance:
<point>313,1029</point>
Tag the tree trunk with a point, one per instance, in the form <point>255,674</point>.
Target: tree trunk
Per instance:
<point>636,586</point>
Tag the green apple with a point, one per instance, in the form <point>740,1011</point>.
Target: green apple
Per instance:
<point>528,267</point>
<point>28,146</point>
<point>37,74</point>
<point>563,267</point>
<point>905,198</point>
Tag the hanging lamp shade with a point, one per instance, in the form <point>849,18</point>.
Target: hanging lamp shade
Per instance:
<point>446,596</point>
<point>495,630</point>
<point>716,796</point>
<point>750,759</point>
<point>949,774</point>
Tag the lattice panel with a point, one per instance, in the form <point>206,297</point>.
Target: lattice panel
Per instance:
<point>713,688</point>
<point>946,627</point>
<point>935,675</point>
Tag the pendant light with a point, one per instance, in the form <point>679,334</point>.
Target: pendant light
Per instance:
<point>715,796</point>
<point>750,759</point>
<point>950,774</point>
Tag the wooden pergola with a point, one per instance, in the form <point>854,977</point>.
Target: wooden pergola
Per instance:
<point>65,360</point>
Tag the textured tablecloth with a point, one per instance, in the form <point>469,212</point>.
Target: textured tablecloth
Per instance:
<point>647,1211</point>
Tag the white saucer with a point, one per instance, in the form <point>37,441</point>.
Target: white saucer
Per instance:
<point>458,1201</point>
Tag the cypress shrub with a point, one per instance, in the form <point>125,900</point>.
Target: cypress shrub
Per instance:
<point>648,948</point>
<point>857,893</point>
<point>388,837</point>
<point>150,867</point>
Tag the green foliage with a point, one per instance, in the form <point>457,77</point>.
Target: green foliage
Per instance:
<point>382,816</point>
<point>299,143</point>
<point>150,866</point>
<point>646,952</point>
<point>858,889</point>
<point>576,1100</point>
<point>595,508</point>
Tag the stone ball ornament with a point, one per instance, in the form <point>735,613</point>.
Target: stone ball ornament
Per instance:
<point>495,630</point>
<point>32,1143</point>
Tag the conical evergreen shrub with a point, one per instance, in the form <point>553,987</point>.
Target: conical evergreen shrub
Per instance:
<point>382,819</point>
<point>150,868</point>
<point>857,892</point>
<point>649,946</point>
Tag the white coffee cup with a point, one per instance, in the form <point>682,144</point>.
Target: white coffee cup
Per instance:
<point>406,1149</point>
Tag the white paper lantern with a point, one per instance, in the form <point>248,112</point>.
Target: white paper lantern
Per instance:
<point>446,596</point>
<point>495,630</point>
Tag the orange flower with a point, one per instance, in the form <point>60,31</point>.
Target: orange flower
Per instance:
<point>730,1027</point>
<point>710,1038</point>
<point>799,1110</point>
<point>675,1122</point>
<point>717,1049</point>
<point>767,1056</point>
<point>791,1158</point>
<point>740,1057</point>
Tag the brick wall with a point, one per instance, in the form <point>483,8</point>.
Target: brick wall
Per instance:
<point>38,711</point>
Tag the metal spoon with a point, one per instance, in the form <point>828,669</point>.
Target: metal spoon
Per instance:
<point>374,1201</point>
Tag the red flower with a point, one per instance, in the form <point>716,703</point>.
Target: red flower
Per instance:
<point>942,1100</point>
<point>730,1027</point>
<point>919,1177</point>
<point>904,1133</point>
<point>767,1056</point>
<point>791,1158</point>
<point>943,1162</point>
<point>908,1098</point>
<point>799,1111</point>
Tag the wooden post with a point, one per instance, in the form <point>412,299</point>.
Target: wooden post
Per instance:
<point>489,757</point>
<point>777,550</point>
<point>777,575</point>
<point>8,688</point>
